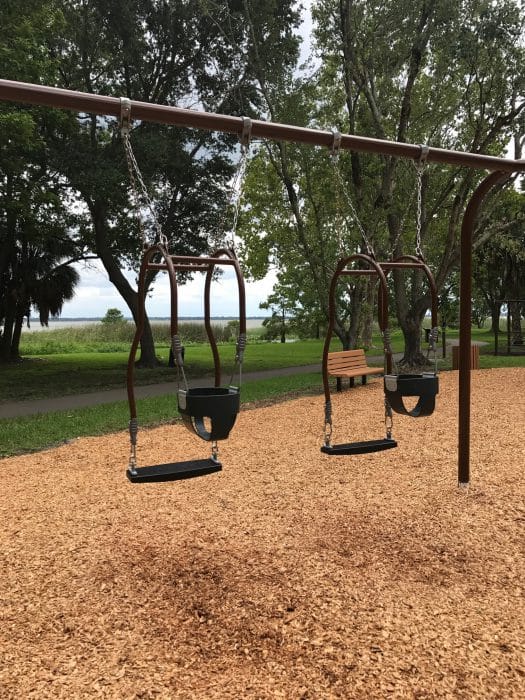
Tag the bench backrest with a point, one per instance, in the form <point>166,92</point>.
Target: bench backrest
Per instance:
<point>346,359</point>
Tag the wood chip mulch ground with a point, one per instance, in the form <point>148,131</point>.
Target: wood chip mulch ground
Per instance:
<point>289,575</point>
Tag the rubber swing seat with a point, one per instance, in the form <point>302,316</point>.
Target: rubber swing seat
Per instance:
<point>425,386</point>
<point>174,472</point>
<point>219,404</point>
<point>359,448</point>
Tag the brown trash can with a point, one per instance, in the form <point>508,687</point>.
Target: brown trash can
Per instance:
<point>474,357</point>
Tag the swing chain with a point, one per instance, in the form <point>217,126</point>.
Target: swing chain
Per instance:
<point>389,419</point>
<point>136,175</point>
<point>420,166</point>
<point>334,153</point>
<point>215,451</point>
<point>328,423</point>
<point>237,185</point>
<point>133,430</point>
<point>239,357</point>
<point>176,347</point>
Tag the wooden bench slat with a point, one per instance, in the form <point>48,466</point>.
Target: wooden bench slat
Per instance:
<point>343,363</point>
<point>348,353</point>
<point>350,364</point>
<point>358,372</point>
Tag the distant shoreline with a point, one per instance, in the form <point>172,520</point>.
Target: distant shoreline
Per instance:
<point>63,323</point>
<point>93,319</point>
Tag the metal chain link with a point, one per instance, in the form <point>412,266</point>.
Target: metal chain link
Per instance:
<point>237,189</point>
<point>334,156</point>
<point>135,174</point>
<point>420,169</point>
<point>348,199</point>
<point>402,223</point>
<point>328,428</point>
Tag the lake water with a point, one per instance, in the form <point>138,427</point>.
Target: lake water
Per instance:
<point>75,323</point>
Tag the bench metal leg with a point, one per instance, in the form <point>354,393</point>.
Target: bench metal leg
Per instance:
<point>338,381</point>
<point>363,379</point>
<point>352,382</point>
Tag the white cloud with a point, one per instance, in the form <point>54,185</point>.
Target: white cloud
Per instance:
<point>95,295</point>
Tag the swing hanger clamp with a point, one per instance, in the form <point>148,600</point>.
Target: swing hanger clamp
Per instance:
<point>336,144</point>
<point>423,155</point>
<point>125,116</point>
<point>246,133</point>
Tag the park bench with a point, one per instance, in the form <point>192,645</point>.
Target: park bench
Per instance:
<point>348,364</point>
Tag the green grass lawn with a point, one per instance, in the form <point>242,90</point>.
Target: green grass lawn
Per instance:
<point>46,376</point>
<point>63,374</point>
<point>32,433</point>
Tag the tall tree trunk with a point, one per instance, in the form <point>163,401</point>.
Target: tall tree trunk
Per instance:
<point>6,339</point>
<point>148,357</point>
<point>367,314</point>
<point>515,323</point>
<point>349,336</point>
<point>495,312</point>
<point>17,333</point>
<point>411,322</point>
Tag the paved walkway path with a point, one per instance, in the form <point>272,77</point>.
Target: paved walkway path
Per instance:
<point>14,409</point>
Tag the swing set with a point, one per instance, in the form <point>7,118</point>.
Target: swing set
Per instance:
<point>397,386</point>
<point>196,405</point>
<point>209,412</point>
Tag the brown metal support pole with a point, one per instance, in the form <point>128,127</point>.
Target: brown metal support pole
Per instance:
<point>465,321</point>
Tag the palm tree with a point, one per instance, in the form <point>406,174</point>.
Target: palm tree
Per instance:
<point>41,276</point>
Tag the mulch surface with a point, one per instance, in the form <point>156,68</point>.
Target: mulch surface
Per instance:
<point>291,574</point>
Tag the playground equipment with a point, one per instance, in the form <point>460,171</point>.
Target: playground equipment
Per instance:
<point>425,386</point>
<point>208,412</point>
<point>500,170</point>
<point>342,270</point>
<point>397,386</point>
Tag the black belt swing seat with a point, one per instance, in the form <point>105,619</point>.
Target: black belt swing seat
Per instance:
<point>426,385</point>
<point>208,412</point>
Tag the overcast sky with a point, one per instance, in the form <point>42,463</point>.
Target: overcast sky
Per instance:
<point>95,294</point>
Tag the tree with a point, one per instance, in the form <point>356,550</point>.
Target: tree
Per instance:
<point>432,71</point>
<point>36,250</point>
<point>172,52</point>
<point>113,316</point>
<point>499,264</point>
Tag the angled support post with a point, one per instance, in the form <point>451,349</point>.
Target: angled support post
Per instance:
<point>465,319</point>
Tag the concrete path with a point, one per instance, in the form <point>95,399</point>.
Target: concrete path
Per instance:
<point>15,409</point>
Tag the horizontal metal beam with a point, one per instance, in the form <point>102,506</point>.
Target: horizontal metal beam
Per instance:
<point>14,91</point>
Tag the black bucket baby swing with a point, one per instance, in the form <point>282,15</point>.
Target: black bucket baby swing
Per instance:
<point>209,412</point>
<point>397,386</point>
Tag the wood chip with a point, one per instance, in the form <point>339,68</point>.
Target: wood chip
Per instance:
<point>290,574</point>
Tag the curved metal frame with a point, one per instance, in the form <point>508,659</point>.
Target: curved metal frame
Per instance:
<point>172,264</point>
<point>423,385</point>
<point>340,270</point>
